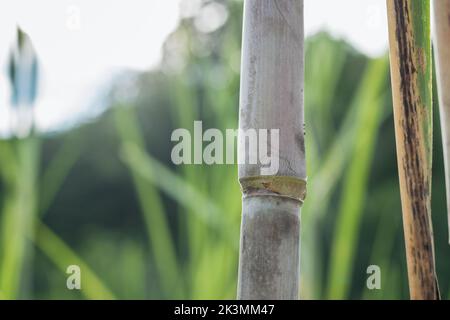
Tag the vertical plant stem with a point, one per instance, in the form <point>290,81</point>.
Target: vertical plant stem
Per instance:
<point>272,98</point>
<point>411,65</point>
<point>442,55</point>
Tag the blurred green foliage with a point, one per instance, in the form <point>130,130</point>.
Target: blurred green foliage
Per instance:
<point>106,196</point>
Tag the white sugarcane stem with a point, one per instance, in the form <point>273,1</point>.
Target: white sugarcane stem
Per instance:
<point>271,97</point>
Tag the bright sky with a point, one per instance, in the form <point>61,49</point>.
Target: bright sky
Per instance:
<point>82,43</point>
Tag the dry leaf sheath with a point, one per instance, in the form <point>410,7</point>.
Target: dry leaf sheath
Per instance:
<point>411,65</point>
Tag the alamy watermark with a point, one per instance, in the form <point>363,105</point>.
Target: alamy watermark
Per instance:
<point>73,281</point>
<point>374,279</point>
<point>255,146</point>
<point>73,18</point>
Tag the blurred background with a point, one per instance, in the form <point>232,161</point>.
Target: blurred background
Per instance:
<point>90,93</point>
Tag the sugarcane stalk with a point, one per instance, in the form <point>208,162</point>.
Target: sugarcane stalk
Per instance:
<point>442,58</point>
<point>271,97</point>
<point>411,77</point>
